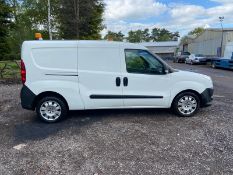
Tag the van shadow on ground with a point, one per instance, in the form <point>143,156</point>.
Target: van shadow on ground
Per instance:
<point>35,129</point>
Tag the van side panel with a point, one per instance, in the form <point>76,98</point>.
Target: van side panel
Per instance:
<point>55,58</point>
<point>98,69</point>
<point>52,66</point>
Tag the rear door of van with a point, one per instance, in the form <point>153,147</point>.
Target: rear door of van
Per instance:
<point>99,74</point>
<point>51,66</point>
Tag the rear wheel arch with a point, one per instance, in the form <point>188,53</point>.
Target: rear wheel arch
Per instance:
<point>49,94</point>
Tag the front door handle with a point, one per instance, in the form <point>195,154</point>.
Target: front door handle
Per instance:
<point>125,81</point>
<point>118,81</point>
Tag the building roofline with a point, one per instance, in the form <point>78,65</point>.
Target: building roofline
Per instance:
<point>160,44</point>
<point>219,29</point>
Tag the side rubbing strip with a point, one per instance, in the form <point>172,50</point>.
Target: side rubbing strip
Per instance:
<point>122,96</point>
<point>67,75</point>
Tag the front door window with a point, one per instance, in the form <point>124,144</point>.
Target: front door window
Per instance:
<point>142,62</point>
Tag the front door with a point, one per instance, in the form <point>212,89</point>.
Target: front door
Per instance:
<point>145,83</point>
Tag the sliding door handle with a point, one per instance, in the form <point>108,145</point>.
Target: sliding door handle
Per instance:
<point>125,81</point>
<point>118,81</point>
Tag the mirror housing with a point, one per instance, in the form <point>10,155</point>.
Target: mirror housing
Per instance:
<point>166,71</point>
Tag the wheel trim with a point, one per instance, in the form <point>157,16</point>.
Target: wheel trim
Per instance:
<point>50,110</point>
<point>187,105</point>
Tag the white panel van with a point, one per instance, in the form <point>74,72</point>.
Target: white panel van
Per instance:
<point>59,76</point>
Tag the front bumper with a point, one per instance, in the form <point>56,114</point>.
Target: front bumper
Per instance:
<point>207,97</point>
<point>27,98</point>
<point>203,60</point>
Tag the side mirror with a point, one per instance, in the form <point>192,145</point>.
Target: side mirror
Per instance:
<point>166,71</point>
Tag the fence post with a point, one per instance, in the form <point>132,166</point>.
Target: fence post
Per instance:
<point>2,69</point>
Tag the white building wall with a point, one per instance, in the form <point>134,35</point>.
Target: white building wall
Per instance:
<point>209,42</point>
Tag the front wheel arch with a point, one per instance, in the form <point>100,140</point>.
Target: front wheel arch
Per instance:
<point>188,90</point>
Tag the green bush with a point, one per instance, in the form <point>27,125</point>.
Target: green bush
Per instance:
<point>9,57</point>
<point>9,70</point>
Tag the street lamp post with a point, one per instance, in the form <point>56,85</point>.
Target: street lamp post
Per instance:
<point>49,20</point>
<point>221,21</point>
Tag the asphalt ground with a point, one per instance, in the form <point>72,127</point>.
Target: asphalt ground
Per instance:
<point>137,141</point>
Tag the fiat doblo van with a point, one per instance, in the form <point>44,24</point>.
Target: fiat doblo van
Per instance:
<point>59,76</point>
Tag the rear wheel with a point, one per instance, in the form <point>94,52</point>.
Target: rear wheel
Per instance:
<point>51,109</point>
<point>186,104</point>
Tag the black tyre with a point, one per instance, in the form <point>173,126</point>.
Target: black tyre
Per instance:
<point>186,104</point>
<point>51,109</point>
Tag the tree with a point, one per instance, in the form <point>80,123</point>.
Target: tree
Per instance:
<point>155,35</point>
<point>5,21</point>
<point>176,36</point>
<point>146,35</point>
<point>34,14</point>
<point>29,17</point>
<point>134,36</point>
<point>81,19</point>
<point>197,31</point>
<point>114,36</point>
<point>138,36</point>
<point>158,34</point>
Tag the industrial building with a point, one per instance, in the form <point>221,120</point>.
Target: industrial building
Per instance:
<point>165,49</point>
<point>208,43</point>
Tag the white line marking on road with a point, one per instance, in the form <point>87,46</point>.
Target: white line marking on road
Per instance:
<point>19,147</point>
<point>219,96</point>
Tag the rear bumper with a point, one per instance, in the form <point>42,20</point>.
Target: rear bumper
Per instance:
<point>207,97</point>
<point>27,98</point>
<point>200,61</point>
<point>181,60</point>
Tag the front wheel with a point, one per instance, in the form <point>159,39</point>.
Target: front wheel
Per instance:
<point>51,109</point>
<point>186,104</point>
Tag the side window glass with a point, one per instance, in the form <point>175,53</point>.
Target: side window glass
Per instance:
<point>141,61</point>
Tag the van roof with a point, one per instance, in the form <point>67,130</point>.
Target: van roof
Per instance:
<point>82,43</point>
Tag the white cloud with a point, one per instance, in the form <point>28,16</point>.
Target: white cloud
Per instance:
<point>133,9</point>
<point>186,11</point>
<point>124,26</point>
<point>178,17</point>
<point>223,1</point>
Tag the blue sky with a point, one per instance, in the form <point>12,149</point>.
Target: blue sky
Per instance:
<point>204,3</point>
<point>175,15</point>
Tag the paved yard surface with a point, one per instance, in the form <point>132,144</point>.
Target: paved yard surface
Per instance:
<point>120,141</point>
